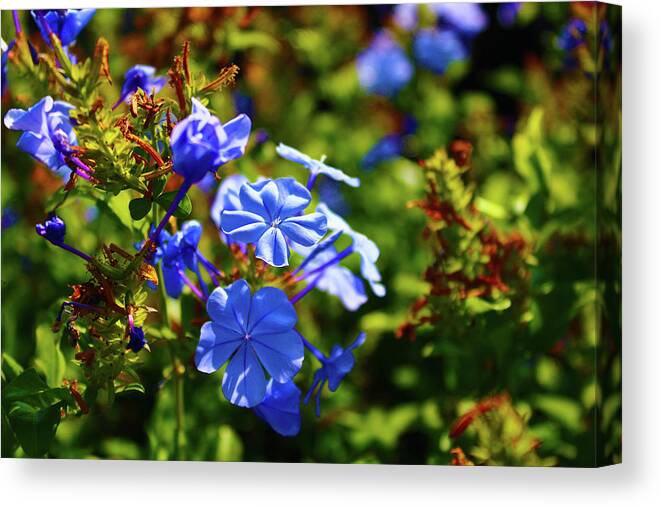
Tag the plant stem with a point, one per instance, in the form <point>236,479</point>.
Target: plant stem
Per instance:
<point>180,433</point>
<point>173,207</point>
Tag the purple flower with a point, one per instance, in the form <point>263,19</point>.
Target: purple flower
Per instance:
<point>65,23</point>
<point>333,278</point>
<point>333,370</point>
<point>508,12</point>
<point>383,67</point>
<point>466,18</point>
<point>362,245</point>
<point>316,167</point>
<point>53,229</point>
<point>384,149</point>
<point>142,77</point>
<point>270,215</point>
<point>201,144</point>
<point>572,35</point>
<point>5,48</point>
<point>48,133</point>
<point>252,333</point>
<point>227,198</point>
<point>281,408</point>
<point>436,49</point>
<point>136,339</point>
<point>172,266</point>
<point>406,16</point>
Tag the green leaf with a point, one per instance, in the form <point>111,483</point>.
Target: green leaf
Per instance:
<point>139,208</point>
<point>184,207</point>
<point>477,305</point>
<point>10,368</point>
<point>34,427</point>
<point>33,411</point>
<point>48,357</point>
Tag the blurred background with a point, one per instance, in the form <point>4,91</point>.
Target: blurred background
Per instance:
<point>527,375</point>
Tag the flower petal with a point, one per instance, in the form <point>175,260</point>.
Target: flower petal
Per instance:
<point>237,307</point>
<point>271,312</point>
<point>244,383</point>
<point>305,230</point>
<point>243,226</point>
<point>238,132</point>
<point>281,408</point>
<point>272,248</point>
<point>341,282</point>
<point>294,155</point>
<point>294,197</point>
<point>173,282</point>
<point>280,353</point>
<point>215,347</point>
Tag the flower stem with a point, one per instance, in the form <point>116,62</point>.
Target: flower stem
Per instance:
<point>344,253</point>
<point>192,286</point>
<point>213,271</point>
<point>17,23</point>
<point>173,207</point>
<point>312,180</point>
<point>74,251</point>
<point>314,350</point>
<point>308,288</point>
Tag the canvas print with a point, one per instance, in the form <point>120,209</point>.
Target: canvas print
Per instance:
<point>321,234</point>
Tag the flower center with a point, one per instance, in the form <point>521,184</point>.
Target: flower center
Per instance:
<point>276,222</point>
<point>247,337</point>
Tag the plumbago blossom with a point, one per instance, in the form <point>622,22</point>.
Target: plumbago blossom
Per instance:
<point>140,77</point>
<point>48,135</point>
<point>252,307</point>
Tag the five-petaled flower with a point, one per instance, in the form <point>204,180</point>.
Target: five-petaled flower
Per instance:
<point>316,167</point>
<point>201,143</point>
<point>227,198</point>
<point>255,333</point>
<point>270,215</point>
<point>65,23</point>
<point>48,132</point>
<point>383,68</point>
<point>333,369</point>
<point>140,77</point>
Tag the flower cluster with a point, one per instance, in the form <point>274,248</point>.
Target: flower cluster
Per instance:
<point>384,68</point>
<point>252,309</point>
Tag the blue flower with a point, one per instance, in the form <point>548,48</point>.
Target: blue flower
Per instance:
<point>270,215</point>
<point>53,229</point>
<point>9,217</point>
<point>386,148</point>
<point>335,279</point>
<point>406,16</point>
<point>281,408</point>
<point>140,76</point>
<point>508,12</point>
<point>48,133</point>
<point>383,68</point>
<point>253,333</point>
<point>172,266</point>
<point>572,35</point>
<point>5,48</point>
<point>200,143</point>
<point>227,198</point>
<point>316,167</point>
<point>466,18</point>
<point>362,245</point>
<point>136,339</point>
<point>65,23</point>
<point>436,49</point>
<point>333,370</point>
